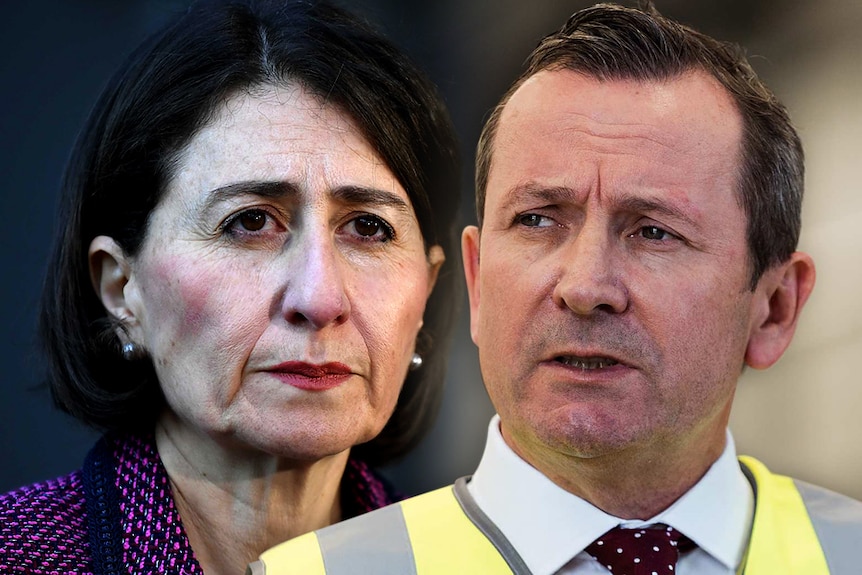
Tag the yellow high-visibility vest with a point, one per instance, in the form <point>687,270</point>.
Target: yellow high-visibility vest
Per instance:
<point>798,529</point>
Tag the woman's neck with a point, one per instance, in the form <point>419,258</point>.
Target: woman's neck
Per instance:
<point>235,504</point>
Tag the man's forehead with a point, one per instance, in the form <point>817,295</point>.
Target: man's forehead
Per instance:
<point>664,142</point>
<point>655,108</point>
<point>559,118</point>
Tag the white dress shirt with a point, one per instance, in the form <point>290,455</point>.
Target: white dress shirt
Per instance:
<point>550,527</point>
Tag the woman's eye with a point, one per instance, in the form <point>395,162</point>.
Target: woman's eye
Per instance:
<point>252,220</point>
<point>372,227</point>
<point>366,226</point>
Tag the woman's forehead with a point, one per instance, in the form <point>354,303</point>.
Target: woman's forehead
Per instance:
<point>281,134</point>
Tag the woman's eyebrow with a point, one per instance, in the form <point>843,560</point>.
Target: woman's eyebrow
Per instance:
<point>370,196</point>
<point>353,195</point>
<point>272,190</point>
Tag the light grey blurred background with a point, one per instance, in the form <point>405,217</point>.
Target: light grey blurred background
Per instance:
<point>802,417</point>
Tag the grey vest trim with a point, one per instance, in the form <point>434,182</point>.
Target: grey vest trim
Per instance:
<point>377,544</point>
<point>837,521</point>
<point>750,477</point>
<point>491,531</point>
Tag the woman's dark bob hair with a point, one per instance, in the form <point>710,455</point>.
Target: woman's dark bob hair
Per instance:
<point>165,93</point>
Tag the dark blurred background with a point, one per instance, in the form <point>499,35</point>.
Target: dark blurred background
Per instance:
<point>801,417</point>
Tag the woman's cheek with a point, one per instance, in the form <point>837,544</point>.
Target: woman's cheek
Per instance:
<point>190,298</point>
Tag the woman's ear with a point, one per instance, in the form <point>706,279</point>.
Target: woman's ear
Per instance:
<point>779,297</point>
<point>436,258</point>
<point>110,272</point>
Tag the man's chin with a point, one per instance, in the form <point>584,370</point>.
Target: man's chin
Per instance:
<point>589,436</point>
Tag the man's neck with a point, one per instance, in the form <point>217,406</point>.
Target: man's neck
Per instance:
<point>637,482</point>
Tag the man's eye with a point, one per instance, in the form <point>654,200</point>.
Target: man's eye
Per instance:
<point>654,233</point>
<point>533,220</point>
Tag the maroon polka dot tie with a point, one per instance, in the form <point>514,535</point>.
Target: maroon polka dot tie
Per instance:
<point>649,551</point>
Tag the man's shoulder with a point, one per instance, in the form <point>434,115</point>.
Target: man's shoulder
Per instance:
<point>815,523</point>
<point>837,521</point>
<point>822,505</point>
<point>831,510</point>
<point>826,497</point>
<point>376,542</point>
<point>390,519</point>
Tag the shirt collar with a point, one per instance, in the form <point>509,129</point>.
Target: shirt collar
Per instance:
<point>716,513</point>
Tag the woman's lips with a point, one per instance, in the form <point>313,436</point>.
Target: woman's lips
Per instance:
<point>312,377</point>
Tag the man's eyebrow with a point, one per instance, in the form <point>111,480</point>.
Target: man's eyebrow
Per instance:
<point>370,196</point>
<point>532,192</point>
<point>649,205</point>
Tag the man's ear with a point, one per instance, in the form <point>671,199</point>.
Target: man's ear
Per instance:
<point>778,300</point>
<point>110,272</point>
<point>470,255</point>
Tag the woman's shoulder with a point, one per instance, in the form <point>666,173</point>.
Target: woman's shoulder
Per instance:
<point>43,527</point>
<point>364,489</point>
<point>56,502</point>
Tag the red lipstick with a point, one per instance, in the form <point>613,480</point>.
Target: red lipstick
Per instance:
<point>311,377</point>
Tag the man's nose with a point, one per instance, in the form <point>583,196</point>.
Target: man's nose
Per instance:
<point>315,288</point>
<point>590,279</point>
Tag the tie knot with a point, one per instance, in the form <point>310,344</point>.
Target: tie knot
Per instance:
<point>648,551</point>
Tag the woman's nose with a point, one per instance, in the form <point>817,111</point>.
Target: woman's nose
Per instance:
<point>315,293</point>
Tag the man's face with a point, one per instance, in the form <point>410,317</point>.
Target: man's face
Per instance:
<point>609,292</point>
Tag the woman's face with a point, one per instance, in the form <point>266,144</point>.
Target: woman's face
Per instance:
<point>283,279</point>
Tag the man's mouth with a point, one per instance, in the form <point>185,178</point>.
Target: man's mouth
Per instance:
<point>586,362</point>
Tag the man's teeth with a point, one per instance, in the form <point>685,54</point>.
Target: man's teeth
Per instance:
<point>587,362</point>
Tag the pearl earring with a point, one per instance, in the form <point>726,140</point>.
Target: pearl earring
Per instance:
<point>415,362</point>
<point>130,351</point>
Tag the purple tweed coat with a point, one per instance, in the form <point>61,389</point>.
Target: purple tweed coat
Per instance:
<point>116,515</point>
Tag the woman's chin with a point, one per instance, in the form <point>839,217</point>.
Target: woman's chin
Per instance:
<point>301,445</point>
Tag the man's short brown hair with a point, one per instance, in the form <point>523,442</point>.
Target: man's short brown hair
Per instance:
<point>611,42</point>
